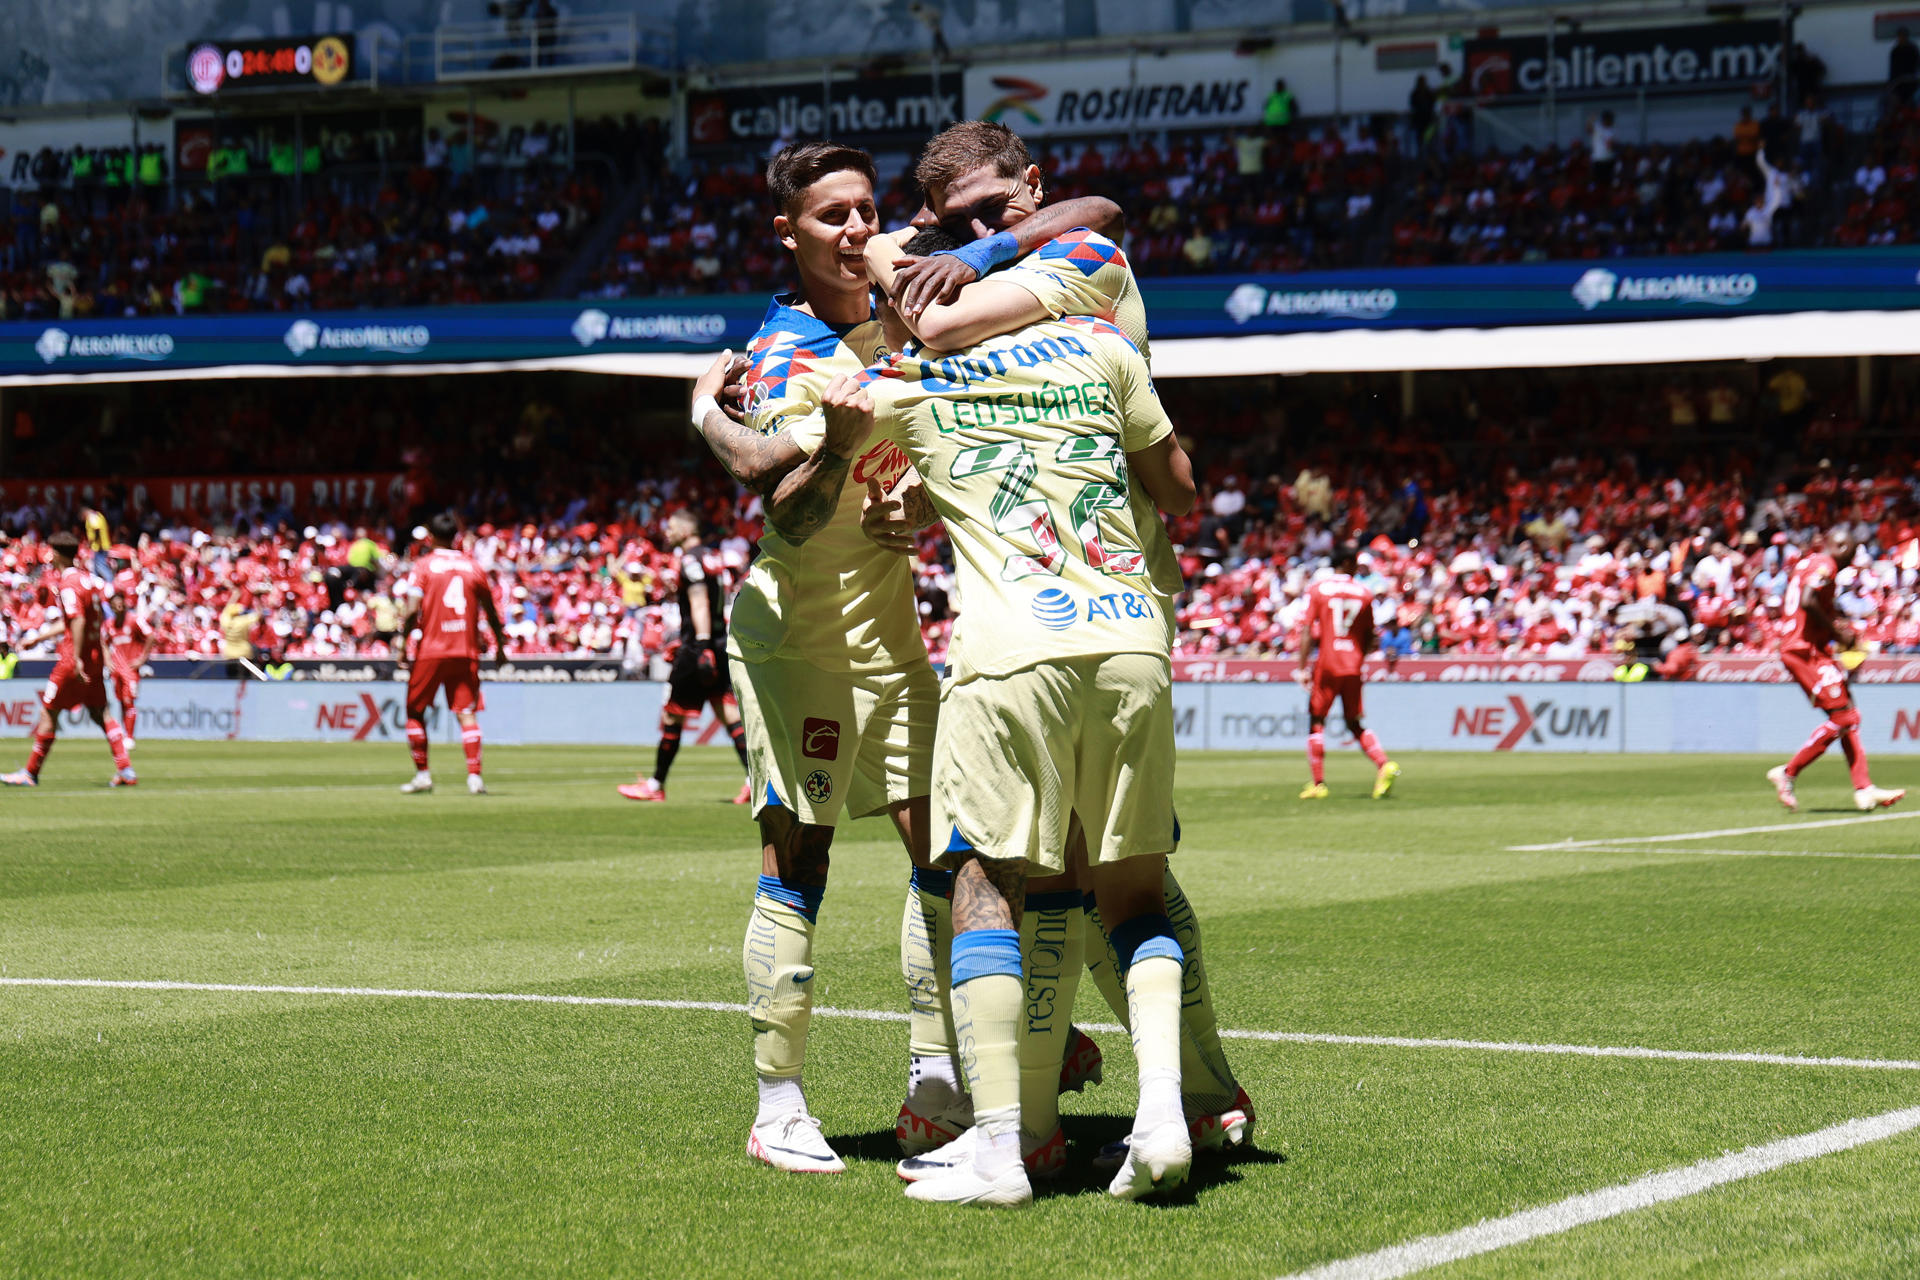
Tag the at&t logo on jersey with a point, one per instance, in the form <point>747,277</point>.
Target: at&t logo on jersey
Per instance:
<point>1055,610</point>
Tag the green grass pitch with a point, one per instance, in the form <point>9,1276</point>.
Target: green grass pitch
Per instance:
<point>162,1133</point>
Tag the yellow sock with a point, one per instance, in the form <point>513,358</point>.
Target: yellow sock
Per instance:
<point>779,967</point>
<point>1207,1081</point>
<point>1052,942</point>
<point>1153,996</point>
<point>988,993</point>
<point>926,941</point>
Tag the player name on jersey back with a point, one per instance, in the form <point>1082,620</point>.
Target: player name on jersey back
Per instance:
<point>1022,442</point>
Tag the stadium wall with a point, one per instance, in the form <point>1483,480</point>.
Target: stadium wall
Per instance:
<point>1565,717</point>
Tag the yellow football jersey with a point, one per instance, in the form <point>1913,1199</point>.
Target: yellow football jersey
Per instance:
<point>835,600</point>
<point>1082,273</point>
<point>1022,443</point>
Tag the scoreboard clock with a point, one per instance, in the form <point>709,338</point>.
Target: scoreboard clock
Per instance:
<point>219,66</point>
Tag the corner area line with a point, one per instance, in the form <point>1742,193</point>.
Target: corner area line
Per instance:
<point>1560,845</point>
<point>884,1015</point>
<point>1610,1202</point>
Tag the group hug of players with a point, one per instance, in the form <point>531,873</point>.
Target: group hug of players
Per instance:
<point>1001,386</point>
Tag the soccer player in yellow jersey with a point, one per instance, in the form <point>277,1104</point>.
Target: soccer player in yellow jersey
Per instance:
<point>826,656</point>
<point>1059,703</point>
<point>981,181</point>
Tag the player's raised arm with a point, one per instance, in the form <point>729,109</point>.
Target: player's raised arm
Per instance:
<point>987,309</point>
<point>805,500</point>
<point>937,279</point>
<point>757,461</point>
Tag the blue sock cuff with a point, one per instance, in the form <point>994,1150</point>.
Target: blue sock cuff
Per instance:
<point>1067,900</point>
<point>803,898</point>
<point>1145,937</point>
<point>932,880</point>
<point>979,953</point>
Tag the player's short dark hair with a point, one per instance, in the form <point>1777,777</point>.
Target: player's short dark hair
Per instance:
<point>444,528</point>
<point>930,240</point>
<point>796,168</point>
<point>66,544</point>
<point>1346,557</point>
<point>961,148</point>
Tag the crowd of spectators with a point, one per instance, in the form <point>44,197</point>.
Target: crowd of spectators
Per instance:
<point>503,216</point>
<point>447,227</point>
<point>1555,514</point>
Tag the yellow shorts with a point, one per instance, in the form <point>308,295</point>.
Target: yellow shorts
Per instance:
<point>1017,755</point>
<point>820,740</point>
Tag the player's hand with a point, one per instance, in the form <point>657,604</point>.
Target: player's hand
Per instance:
<point>708,662</point>
<point>849,414</point>
<point>1303,675</point>
<point>930,282</point>
<point>884,521</point>
<point>723,381</point>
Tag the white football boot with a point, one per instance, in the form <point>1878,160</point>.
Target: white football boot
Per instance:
<point>1157,1160</point>
<point>793,1143</point>
<point>1877,798</point>
<point>421,784</point>
<point>475,787</point>
<point>1783,786</point>
<point>952,1176</point>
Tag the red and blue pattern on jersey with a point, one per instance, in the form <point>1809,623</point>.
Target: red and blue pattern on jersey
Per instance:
<point>1086,250</point>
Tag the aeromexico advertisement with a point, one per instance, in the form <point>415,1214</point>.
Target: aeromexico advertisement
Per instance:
<point>1182,307</point>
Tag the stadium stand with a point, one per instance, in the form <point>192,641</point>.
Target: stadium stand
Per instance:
<point>1564,513</point>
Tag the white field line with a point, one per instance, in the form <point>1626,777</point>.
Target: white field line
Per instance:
<point>1749,853</point>
<point>1610,1202</point>
<point>880,1015</point>
<point>1712,835</point>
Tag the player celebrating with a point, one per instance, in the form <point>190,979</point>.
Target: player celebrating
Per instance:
<point>980,180</point>
<point>130,641</point>
<point>1813,625</point>
<point>1338,629</point>
<point>450,596</point>
<point>1060,704</point>
<point>79,676</point>
<point>700,668</point>
<point>832,675</point>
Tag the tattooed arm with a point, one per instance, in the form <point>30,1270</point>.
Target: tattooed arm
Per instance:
<point>757,461</point>
<point>806,498</point>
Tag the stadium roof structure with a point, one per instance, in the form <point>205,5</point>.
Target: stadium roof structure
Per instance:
<point>1801,335</point>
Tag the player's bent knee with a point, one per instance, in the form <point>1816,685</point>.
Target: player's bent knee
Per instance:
<point>1355,728</point>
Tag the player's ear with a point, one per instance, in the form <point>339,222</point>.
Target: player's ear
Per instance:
<point>1036,184</point>
<point>783,229</point>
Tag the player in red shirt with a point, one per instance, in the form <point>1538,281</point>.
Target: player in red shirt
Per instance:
<point>1813,625</point>
<point>79,678</point>
<point>450,596</point>
<point>130,643</point>
<point>1339,631</point>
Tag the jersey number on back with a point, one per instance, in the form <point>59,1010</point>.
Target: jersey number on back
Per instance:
<point>1020,514</point>
<point>1343,612</point>
<point>456,595</point>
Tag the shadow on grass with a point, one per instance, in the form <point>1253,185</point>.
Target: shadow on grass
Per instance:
<point>1086,1135</point>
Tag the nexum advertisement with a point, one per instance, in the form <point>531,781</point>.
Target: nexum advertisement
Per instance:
<point>1180,307</point>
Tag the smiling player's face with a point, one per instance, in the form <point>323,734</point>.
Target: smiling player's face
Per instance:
<point>829,235</point>
<point>986,196</point>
